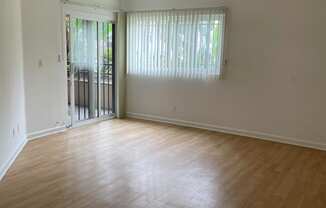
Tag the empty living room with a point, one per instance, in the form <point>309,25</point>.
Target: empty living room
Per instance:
<point>162,104</point>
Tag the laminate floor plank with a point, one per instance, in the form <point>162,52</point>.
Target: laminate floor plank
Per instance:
<point>139,164</point>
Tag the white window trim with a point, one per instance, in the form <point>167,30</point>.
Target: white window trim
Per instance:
<point>88,13</point>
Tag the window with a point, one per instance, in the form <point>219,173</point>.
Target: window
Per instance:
<point>177,44</point>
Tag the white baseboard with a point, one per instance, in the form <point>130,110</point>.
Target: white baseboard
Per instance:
<point>46,132</point>
<point>240,132</point>
<point>4,169</point>
<point>32,136</point>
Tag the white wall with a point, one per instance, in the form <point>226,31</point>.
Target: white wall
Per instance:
<point>12,109</point>
<point>275,80</point>
<point>45,86</point>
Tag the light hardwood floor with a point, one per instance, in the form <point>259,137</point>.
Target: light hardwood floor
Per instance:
<point>132,163</point>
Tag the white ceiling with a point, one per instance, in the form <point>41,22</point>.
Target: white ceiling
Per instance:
<point>108,4</point>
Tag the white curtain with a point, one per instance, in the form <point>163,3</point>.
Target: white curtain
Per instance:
<point>177,43</point>
<point>83,44</point>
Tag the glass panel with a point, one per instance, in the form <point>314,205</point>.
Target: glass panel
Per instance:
<point>90,62</point>
<point>69,74</point>
<point>84,61</point>
<point>106,66</point>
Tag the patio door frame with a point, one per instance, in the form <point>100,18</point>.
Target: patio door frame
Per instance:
<point>92,14</point>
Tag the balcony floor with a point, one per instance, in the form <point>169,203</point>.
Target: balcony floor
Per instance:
<point>84,113</point>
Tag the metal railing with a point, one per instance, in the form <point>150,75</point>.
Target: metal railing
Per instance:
<point>103,83</point>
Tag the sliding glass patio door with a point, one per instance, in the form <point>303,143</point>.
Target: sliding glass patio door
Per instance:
<point>90,69</point>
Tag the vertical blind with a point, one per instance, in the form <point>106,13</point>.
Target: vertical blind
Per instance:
<point>90,39</point>
<point>83,43</point>
<point>177,43</point>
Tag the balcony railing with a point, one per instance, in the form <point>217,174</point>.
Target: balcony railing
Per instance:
<point>103,83</point>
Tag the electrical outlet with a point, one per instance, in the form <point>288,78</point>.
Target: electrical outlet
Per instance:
<point>59,58</point>
<point>40,63</point>
<point>60,123</point>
